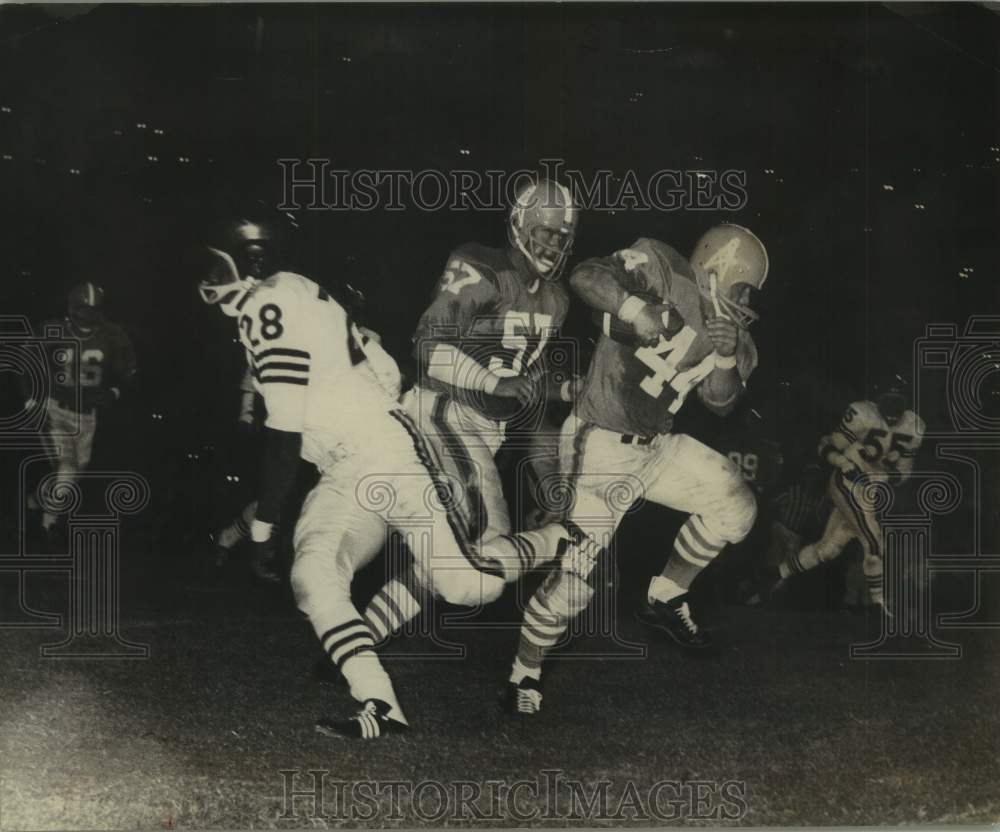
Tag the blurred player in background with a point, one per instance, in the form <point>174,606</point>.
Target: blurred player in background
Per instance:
<point>84,378</point>
<point>477,349</point>
<point>669,327</point>
<point>797,512</point>
<point>878,440</point>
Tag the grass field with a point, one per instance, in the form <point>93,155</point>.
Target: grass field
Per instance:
<point>196,735</point>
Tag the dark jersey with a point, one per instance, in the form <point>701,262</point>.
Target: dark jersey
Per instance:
<point>638,390</point>
<point>80,367</point>
<point>489,306</point>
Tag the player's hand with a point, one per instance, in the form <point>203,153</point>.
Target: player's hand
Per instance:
<point>847,468</point>
<point>648,325</point>
<point>515,387</point>
<point>724,335</point>
<point>572,389</point>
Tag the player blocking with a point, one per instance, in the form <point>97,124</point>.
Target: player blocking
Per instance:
<point>327,391</point>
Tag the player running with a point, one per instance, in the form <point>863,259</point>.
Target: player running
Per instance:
<point>669,327</point>
<point>87,376</point>
<point>326,402</point>
<point>879,440</point>
<point>478,348</point>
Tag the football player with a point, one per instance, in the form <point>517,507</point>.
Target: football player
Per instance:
<point>670,326</point>
<point>878,439</point>
<point>259,250</point>
<point>86,377</point>
<point>477,348</point>
<point>327,402</point>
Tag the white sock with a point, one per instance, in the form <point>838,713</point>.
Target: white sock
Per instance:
<point>663,589</point>
<point>518,673</point>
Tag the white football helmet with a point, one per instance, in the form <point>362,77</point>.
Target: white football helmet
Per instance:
<point>234,269</point>
<point>728,255</point>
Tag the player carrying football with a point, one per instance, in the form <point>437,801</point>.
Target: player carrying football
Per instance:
<point>326,401</point>
<point>877,439</point>
<point>477,349</point>
<point>669,327</point>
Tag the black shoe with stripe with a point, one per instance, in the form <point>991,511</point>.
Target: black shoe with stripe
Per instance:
<point>372,722</point>
<point>673,619</point>
<point>523,698</point>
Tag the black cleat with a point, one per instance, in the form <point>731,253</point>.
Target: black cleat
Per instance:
<point>372,722</point>
<point>673,619</point>
<point>523,698</point>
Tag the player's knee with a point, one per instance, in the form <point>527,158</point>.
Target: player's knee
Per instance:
<point>318,574</point>
<point>466,587</point>
<point>736,515</point>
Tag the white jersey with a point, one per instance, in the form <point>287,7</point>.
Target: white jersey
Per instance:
<point>310,363</point>
<point>870,439</point>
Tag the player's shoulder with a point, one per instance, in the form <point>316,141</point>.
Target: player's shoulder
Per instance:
<point>287,287</point>
<point>659,255</point>
<point>485,262</point>
<point>113,332</point>
<point>862,411</point>
<point>913,424</point>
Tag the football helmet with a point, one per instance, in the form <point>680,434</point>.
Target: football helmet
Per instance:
<point>542,226</point>
<point>244,258</point>
<point>891,399</point>
<point>725,257</point>
<point>86,307</point>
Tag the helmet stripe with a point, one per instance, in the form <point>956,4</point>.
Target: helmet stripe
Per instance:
<point>570,207</point>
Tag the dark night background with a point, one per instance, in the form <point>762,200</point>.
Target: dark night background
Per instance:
<point>870,135</point>
<point>126,131</point>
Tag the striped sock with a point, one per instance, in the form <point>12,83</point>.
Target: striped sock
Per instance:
<point>546,619</point>
<point>694,548</point>
<point>239,529</point>
<point>391,609</point>
<point>518,554</point>
<point>808,557</point>
<point>348,642</point>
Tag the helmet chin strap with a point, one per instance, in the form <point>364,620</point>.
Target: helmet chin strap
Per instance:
<point>539,267</point>
<point>713,290</point>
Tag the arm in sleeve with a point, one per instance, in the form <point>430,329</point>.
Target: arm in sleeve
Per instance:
<point>463,294</point>
<point>725,385</point>
<point>619,284</point>
<point>281,364</point>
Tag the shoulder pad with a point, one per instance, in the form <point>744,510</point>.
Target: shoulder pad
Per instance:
<point>914,423</point>
<point>863,413</point>
<point>485,261</point>
<point>667,256</point>
<point>283,285</point>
